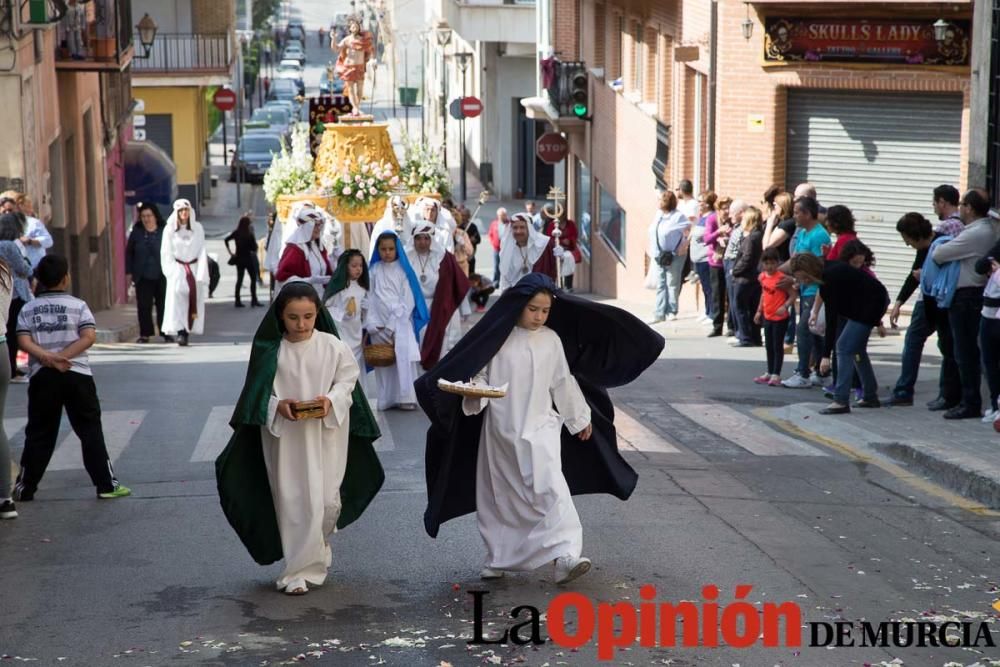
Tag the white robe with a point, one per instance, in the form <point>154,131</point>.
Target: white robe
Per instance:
<point>444,226</point>
<point>390,306</point>
<point>351,327</point>
<point>387,224</point>
<point>518,261</point>
<point>523,504</point>
<point>306,459</point>
<point>428,270</point>
<point>187,245</point>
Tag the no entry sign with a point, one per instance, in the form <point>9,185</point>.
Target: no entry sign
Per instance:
<point>224,99</point>
<point>471,107</point>
<point>551,148</point>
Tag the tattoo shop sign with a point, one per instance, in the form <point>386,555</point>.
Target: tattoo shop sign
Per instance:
<point>884,41</point>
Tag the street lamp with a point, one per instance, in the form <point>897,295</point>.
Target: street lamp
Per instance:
<point>463,65</point>
<point>443,33</point>
<point>747,24</point>
<point>941,30</point>
<point>147,33</point>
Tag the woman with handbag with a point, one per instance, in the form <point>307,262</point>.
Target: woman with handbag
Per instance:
<point>244,259</point>
<point>667,234</point>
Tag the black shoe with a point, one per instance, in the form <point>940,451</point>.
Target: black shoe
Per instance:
<point>960,412</point>
<point>239,304</point>
<point>22,494</point>
<point>167,339</point>
<point>142,339</point>
<point>182,339</point>
<point>714,334</point>
<point>900,401</point>
<point>8,510</point>
<point>874,403</point>
<point>939,404</point>
<point>836,410</point>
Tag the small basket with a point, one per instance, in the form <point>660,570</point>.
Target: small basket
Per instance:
<point>379,354</point>
<point>471,391</point>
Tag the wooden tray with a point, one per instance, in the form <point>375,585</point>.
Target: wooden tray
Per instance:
<point>470,390</point>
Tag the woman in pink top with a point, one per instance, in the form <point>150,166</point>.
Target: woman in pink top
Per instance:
<point>840,221</point>
<point>717,228</point>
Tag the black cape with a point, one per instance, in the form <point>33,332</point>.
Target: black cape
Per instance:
<point>604,346</point>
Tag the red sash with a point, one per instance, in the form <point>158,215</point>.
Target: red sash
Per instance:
<point>192,292</point>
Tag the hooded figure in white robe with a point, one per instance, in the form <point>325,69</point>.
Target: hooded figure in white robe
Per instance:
<point>397,313</point>
<point>430,210</point>
<point>517,261</point>
<point>395,219</point>
<point>185,264</point>
<point>304,256</point>
<point>428,267</point>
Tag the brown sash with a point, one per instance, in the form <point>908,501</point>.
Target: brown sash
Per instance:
<point>192,292</point>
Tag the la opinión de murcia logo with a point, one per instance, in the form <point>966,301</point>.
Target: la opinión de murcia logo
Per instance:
<point>573,620</point>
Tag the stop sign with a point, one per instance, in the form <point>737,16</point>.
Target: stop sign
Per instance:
<point>224,99</point>
<point>551,148</point>
<point>471,107</point>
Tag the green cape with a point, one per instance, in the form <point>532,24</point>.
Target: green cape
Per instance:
<point>240,471</point>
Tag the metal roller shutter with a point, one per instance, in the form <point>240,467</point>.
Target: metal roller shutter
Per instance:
<point>879,154</point>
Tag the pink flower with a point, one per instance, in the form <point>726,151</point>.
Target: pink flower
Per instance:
<point>346,191</point>
<point>394,180</point>
<point>357,179</point>
<point>361,194</point>
<point>373,191</point>
<point>364,168</point>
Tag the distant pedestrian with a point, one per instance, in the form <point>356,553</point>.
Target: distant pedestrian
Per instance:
<point>989,330</point>
<point>244,259</point>
<point>536,217</point>
<point>733,237</point>
<point>321,34</point>
<point>56,329</point>
<point>143,269</point>
<point>699,249</point>
<point>775,304</point>
<point>746,272</point>
<point>495,233</point>
<point>946,207</point>
<point>716,231</point>
<point>667,232</point>
<point>12,254</point>
<point>7,508</point>
<point>36,238</point>
<point>840,221</point>
<point>185,264</point>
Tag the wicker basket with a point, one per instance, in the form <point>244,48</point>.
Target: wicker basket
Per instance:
<point>379,354</point>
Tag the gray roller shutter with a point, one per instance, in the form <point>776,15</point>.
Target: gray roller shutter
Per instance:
<point>879,154</point>
<point>160,131</point>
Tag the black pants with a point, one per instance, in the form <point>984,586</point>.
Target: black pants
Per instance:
<point>717,279</point>
<point>148,292</point>
<point>48,392</point>
<point>15,309</point>
<point>747,294</point>
<point>964,316</point>
<point>568,282</point>
<point>774,340</point>
<point>249,265</point>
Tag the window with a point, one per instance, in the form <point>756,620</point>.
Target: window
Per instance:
<point>612,224</point>
<point>638,82</point>
<point>584,206</point>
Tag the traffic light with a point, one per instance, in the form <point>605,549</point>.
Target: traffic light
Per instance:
<point>577,90</point>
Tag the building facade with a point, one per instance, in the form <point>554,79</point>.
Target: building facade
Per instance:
<point>195,51</point>
<point>66,85</point>
<point>860,98</point>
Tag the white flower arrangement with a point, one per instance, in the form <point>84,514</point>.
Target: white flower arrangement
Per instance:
<point>291,171</point>
<point>361,183</point>
<point>423,169</point>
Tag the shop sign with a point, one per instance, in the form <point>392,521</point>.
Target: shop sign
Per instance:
<point>884,41</point>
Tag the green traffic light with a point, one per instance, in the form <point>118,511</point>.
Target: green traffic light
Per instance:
<point>580,110</point>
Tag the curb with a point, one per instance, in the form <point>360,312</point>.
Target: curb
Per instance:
<point>122,334</point>
<point>963,479</point>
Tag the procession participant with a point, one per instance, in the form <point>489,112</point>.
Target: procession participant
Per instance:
<point>444,287</point>
<point>353,54</point>
<point>568,238</point>
<point>396,218</point>
<point>556,354</point>
<point>397,313</point>
<point>430,210</point>
<point>287,481</point>
<point>304,255</point>
<point>332,238</point>
<point>346,297</point>
<point>524,250</point>
<point>185,264</point>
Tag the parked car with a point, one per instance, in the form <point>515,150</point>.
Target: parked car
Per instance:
<point>253,155</point>
<point>279,119</point>
<point>283,89</point>
<point>324,84</point>
<point>291,69</point>
<point>291,107</point>
<point>296,30</point>
<point>294,52</point>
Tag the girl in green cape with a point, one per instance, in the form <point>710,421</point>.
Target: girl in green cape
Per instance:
<point>287,481</point>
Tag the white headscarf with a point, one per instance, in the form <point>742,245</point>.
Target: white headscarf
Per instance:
<point>179,205</point>
<point>306,218</point>
<point>509,253</point>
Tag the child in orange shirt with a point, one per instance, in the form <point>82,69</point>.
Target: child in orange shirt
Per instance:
<point>772,312</point>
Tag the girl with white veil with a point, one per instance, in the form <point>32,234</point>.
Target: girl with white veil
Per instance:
<point>185,265</point>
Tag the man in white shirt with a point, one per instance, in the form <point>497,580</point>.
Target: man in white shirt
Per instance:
<point>686,203</point>
<point>36,239</point>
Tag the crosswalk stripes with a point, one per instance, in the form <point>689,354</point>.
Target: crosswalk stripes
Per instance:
<point>214,434</point>
<point>119,427</point>
<point>633,435</point>
<point>744,430</point>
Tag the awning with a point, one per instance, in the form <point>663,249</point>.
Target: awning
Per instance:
<point>150,175</point>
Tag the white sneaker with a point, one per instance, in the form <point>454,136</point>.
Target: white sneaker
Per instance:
<point>816,379</point>
<point>569,568</point>
<point>732,339</point>
<point>490,573</point>
<point>672,317</point>
<point>990,416</point>
<point>796,382</point>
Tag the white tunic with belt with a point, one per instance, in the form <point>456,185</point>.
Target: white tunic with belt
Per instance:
<point>389,319</point>
<point>183,247</point>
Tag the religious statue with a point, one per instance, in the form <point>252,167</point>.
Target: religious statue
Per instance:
<point>354,53</point>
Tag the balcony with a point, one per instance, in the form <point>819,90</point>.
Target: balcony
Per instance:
<point>511,21</point>
<point>95,37</point>
<point>186,55</point>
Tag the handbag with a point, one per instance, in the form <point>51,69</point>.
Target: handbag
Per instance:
<point>232,260</point>
<point>820,327</point>
<point>664,258</point>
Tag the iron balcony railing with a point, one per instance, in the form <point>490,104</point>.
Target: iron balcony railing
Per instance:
<point>181,53</point>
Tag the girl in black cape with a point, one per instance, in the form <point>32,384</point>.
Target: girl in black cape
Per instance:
<point>603,346</point>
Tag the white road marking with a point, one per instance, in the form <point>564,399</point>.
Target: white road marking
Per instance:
<point>215,434</point>
<point>633,435</point>
<point>119,427</point>
<point>744,430</point>
<point>14,425</point>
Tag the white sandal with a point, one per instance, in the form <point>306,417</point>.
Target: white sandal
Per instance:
<point>296,587</point>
